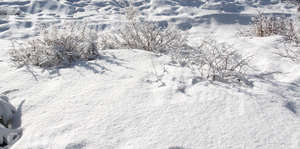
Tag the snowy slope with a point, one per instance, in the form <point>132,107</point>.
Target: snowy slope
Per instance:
<point>117,103</point>
<point>132,99</point>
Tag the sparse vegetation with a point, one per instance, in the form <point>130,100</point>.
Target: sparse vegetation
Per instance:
<point>57,46</point>
<point>215,61</point>
<point>212,60</point>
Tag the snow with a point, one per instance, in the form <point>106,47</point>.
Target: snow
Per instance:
<point>132,99</point>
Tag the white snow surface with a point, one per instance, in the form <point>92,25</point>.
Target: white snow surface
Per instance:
<point>133,99</point>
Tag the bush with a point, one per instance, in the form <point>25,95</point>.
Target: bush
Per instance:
<point>215,61</point>
<point>58,46</point>
<point>146,35</point>
<point>267,25</point>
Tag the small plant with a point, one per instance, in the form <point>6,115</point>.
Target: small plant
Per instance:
<point>58,46</point>
<point>215,61</point>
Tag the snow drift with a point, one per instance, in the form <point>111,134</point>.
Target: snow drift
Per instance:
<point>133,99</point>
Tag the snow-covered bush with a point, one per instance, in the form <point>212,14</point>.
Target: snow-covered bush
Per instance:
<point>267,25</point>
<point>57,46</point>
<point>215,61</point>
<point>290,51</point>
<point>146,35</point>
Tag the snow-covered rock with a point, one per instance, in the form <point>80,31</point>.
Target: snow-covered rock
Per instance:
<point>8,119</point>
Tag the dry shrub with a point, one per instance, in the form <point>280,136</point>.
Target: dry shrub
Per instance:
<point>57,46</point>
<point>267,25</point>
<point>215,61</point>
<point>146,35</point>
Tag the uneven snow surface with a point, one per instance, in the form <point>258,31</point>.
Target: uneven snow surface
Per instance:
<point>132,99</point>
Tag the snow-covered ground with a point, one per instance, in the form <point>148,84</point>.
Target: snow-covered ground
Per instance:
<point>133,99</point>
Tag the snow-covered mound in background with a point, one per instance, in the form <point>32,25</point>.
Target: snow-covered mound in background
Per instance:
<point>28,15</point>
<point>134,99</point>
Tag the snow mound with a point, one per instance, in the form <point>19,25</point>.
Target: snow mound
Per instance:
<point>134,99</point>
